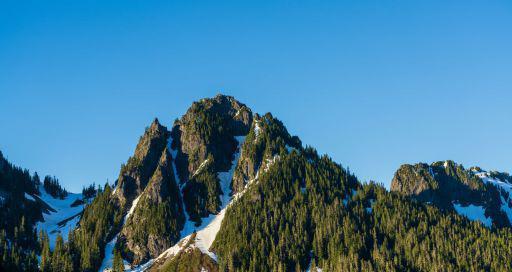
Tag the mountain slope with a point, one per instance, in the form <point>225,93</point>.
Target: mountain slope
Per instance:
<point>29,207</point>
<point>477,194</point>
<point>205,142</point>
<point>226,189</point>
<point>289,209</point>
<point>158,216</point>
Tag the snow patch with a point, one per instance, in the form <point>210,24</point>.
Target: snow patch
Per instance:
<point>257,130</point>
<point>486,178</point>
<point>500,185</point>
<point>132,209</point>
<point>206,236</point>
<point>64,212</point>
<point>107,263</point>
<point>505,207</point>
<point>200,167</point>
<point>291,149</point>
<point>29,197</point>
<point>473,212</point>
<point>370,209</point>
<point>346,200</point>
<point>247,184</point>
<point>503,187</point>
<point>316,269</point>
<point>140,268</point>
<point>269,163</point>
<point>431,172</point>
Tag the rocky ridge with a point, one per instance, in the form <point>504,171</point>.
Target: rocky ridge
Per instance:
<point>475,193</point>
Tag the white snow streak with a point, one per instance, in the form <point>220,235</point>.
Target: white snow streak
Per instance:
<point>200,167</point>
<point>29,197</point>
<point>257,130</point>
<point>107,262</point>
<point>269,163</point>
<point>206,235</point>
<point>132,209</point>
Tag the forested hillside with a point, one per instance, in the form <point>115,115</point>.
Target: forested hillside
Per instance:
<point>35,219</point>
<point>226,189</point>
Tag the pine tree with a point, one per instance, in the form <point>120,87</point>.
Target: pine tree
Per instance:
<point>118,265</point>
<point>46,258</point>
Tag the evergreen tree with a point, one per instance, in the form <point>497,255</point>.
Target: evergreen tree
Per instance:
<point>118,265</point>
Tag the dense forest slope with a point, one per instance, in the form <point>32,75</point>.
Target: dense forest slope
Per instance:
<point>30,208</point>
<point>226,189</point>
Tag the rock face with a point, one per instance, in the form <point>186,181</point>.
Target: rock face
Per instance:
<point>154,201</point>
<point>135,175</point>
<point>149,197</point>
<point>448,186</point>
<point>157,218</point>
<point>209,127</point>
<point>265,140</point>
<point>204,139</point>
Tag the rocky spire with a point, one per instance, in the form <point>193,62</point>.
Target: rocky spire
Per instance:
<point>158,217</point>
<point>135,174</point>
<point>205,141</point>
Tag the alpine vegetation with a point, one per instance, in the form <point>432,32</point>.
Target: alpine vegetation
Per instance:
<point>227,189</point>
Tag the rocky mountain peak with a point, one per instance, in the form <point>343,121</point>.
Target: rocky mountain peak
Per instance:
<point>159,187</point>
<point>155,126</point>
<point>157,217</point>
<point>209,127</point>
<point>135,174</point>
<point>238,115</point>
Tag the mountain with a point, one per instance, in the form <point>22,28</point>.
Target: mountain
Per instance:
<point>28,207</point>
<point>475,193</point>
<point>226,189</point>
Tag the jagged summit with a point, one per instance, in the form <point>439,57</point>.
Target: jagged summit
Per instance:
<point>143,235</point>
<point>209,127</point>
<point>185,176</point>
<point>155,125</point>
<point>135,174</point>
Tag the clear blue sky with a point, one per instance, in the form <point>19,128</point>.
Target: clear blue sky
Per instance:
<point>374,84</point>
